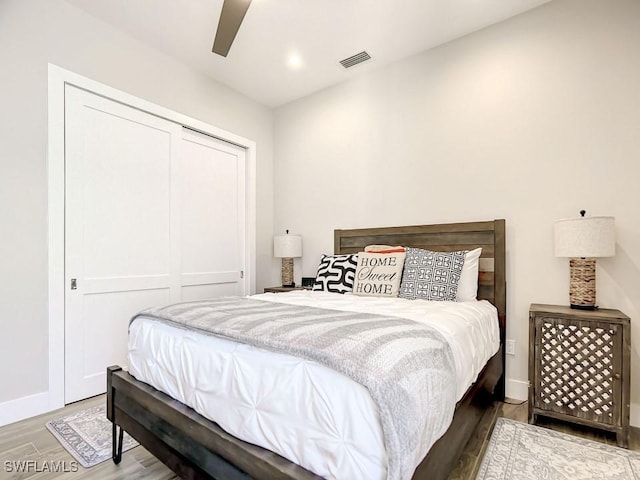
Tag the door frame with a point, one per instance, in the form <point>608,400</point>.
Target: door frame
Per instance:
<point>58,78</point>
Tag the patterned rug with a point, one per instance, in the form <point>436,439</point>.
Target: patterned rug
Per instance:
<point>518,451</point>
<point>86,435</point>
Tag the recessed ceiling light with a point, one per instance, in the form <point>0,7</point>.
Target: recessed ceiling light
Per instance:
<point>294,61</point>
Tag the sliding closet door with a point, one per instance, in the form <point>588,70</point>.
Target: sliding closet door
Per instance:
<point>212,227</point>
<point>143,227</point>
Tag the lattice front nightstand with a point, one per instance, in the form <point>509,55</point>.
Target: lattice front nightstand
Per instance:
<point>579,367</point>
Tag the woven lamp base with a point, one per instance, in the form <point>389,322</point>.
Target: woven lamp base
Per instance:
<point>287,272</point>
<point>582,289</point>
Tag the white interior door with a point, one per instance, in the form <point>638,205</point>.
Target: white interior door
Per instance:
<point>147,222</point>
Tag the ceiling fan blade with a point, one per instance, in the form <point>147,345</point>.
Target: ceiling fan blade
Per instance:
<point>231,17</point>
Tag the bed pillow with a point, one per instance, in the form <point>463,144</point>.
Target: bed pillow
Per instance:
<point>383,249</point>
<point>431,275</point>
<point>468,285</point>
<point>379,274</point>
<point>336,273</point>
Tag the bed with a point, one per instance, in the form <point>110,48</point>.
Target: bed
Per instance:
<point>195,447</point>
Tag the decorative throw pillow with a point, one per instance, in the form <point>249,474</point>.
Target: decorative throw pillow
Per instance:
<point>383,248</point>
<point>468,285</point>
<point>431,275</point>
<point>336,273</point>
<point>378,274</point>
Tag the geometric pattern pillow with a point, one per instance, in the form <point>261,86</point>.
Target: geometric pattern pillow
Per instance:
<point>431,275</point>
<point>336,273</point>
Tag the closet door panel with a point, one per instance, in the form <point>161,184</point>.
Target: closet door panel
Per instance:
<point>118,168</point>
<point>198,292</point>
<point>126,198</point>
<point>212,214</point>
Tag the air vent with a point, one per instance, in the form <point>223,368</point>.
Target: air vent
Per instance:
<point>355,59</point>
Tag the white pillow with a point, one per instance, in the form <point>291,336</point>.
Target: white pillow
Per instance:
<point>468,285</point>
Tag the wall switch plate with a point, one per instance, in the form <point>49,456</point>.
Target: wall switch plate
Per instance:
<point>511,347</point>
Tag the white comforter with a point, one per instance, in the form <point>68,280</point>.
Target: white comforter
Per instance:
<point>308,413</point>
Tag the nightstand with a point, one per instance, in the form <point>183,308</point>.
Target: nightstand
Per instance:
<point>579,367</point>
<point>283,289</point>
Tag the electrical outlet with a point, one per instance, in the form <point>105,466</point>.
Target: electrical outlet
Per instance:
<point>511,347</point>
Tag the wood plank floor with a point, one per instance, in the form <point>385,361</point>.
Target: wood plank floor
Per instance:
<point>30,440</point>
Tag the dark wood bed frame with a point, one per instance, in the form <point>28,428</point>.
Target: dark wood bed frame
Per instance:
<point>196,448</point>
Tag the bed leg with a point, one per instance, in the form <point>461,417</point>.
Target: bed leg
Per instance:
<point>118,432</point>
<point>116,442</point>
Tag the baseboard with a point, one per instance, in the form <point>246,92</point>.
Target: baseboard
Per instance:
<point>25,407</point>
<point>517,389</point>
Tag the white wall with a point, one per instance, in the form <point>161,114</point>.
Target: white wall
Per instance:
<point>32,34</point>
<point>529,120</point>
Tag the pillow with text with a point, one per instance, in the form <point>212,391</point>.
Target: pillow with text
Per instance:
<point>378,274</point>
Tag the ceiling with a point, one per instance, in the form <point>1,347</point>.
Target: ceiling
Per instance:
<point>319,32</point>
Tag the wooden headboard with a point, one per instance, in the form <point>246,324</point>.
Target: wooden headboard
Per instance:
<point>447,237</point>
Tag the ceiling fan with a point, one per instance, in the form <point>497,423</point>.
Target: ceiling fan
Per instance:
<point>231,17</point>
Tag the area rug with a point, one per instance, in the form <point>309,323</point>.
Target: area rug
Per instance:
<point>86,435</point>
<point>518,451</point>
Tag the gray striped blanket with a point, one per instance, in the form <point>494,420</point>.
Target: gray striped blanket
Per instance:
<point>406,366</point>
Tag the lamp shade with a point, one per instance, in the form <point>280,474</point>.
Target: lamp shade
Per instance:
<point>287,246</point>
<point>585,237</point>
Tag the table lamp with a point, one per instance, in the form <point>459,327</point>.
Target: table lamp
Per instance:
<point>287,247</point>
<point>583,239</point>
